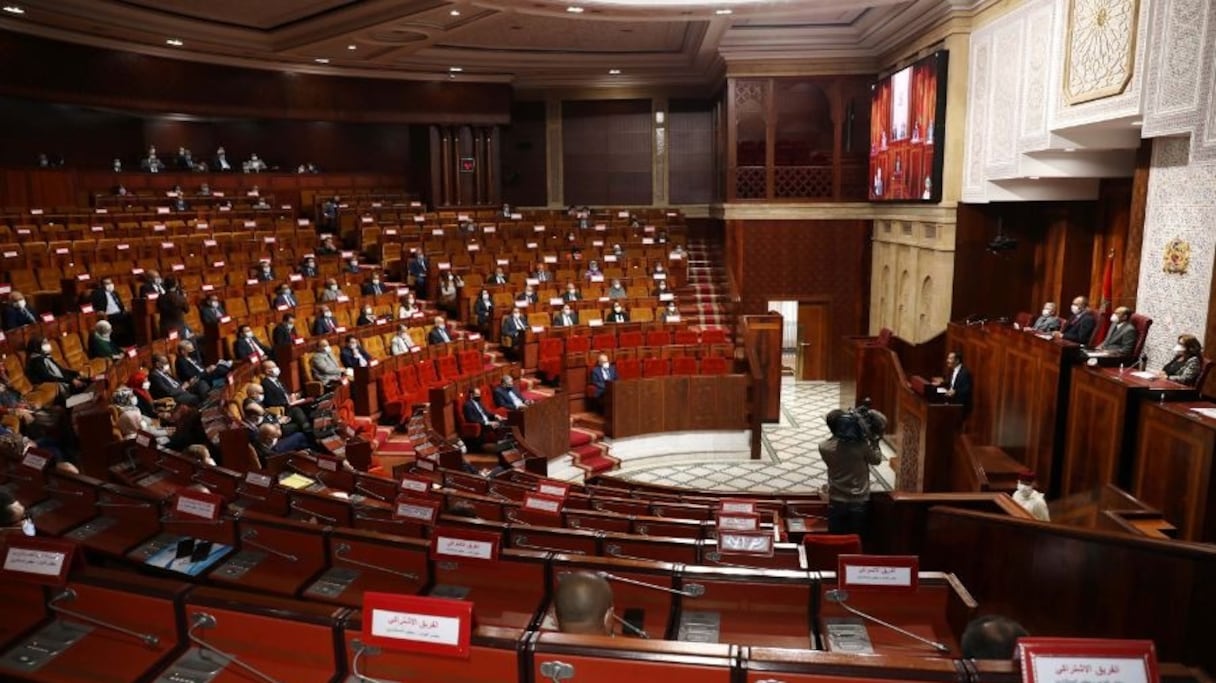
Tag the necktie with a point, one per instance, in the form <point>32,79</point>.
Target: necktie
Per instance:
<point>566,320</point>
<point>169,378</point>
<point>480,411</point>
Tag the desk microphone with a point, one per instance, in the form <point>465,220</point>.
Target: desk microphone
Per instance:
<point>840,596</point>
<point>630,627</point>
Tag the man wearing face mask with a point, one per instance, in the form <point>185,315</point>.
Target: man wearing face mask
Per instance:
<point>618,314</point>
<point>101,345</point>
<point>402,343</point>
<point>512,329</point>
<point>1048,322</point>
<point>571,294</point>
<point>18,312</point>
<point>325,323</point>
<point>285,297</point>
<point>603,373</point>
<point>1031,500</point>
<point>324,366</point>
<point>152,284</point>
<point>352,267</point>
<point>212,311</point>
<point>275,395</point>
<point>331,291</point>
<point>483,309</point>
<point>418,268</point>
<point>506,395</point>
<point>566,317</point>
<point>107,303</point>
<point>1080,326</point>
<point>366,317</point>
<point>189,366</point>
<point>172,308</point>
<point>439,333</point>
<point>265,272</point>
<point>309,267</point>
<point>475,413</point>
<point>498,278</point>
<point>13,518</point>
<point>354,355</point>
<point>41,368</point>
<point>1121,338</point>
<point>249,346</point>
<point>284,333</point>
<point>165,385</point>
<point>373,287</point>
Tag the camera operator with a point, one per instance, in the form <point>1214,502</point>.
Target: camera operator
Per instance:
<point>849,454</point>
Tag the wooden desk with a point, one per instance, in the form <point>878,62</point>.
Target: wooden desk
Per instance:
<point>545,425</point>
<point>938,610</point>
<point>1020,398</point>
<point>1103,412</point>
<point>1173,466</point>
<point>676,403</point>
<point>770,607</point>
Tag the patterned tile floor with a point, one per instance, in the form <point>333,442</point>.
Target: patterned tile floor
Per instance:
<point>791,459</point>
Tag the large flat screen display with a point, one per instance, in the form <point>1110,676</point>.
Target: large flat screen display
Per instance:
<point>907,121</point>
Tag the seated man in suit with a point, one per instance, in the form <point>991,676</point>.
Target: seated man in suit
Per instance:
<point>308,267</point>
<point>1048,322</point>
<point>542,273</point>
<point>603,373</point>
<point>439,334</point>
<point>498,278</point>
<point>324,366</point>
<point>285,332</point>
<point>152,284</point>
<point>285,297</point>
<point>327,246</point>
<point>618,314</point>
<point>331,292</point>
<point>1080,326</point>
<point>513,327</point>
<point>616,291</point>
<point>275,395</point>
<point>582,604</point>
<point>506,395</point>
<point>264,273</point>
<point>528,296</point>
<point>957,383</point>
<point>373,287</point>
<point>189,366</point>
<point>1121,338</point>
<point>18,312</point>
<point>165,385</point>
<point>571,293</point>
<point>212,310</point>
<point>402,343</point>
<point>354,355</point>
<point>271,440</point>
<point>566,317</point>
<point>248,346</point>
<point>100,344</point>
<point>41,368</point>
<point>106,303</point>
<point>325,323</point>
<point>367,316</point>
<point>475,413</point>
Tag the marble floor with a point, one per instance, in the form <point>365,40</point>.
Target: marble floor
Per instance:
<point>791,459</point>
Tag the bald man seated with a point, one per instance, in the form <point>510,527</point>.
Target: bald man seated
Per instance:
<point>583,604</point>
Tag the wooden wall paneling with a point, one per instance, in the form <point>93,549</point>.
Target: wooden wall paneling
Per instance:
<point>465,144</point>
<point>691,168</point>
<point>1135,223</point>
<point>524,149</point>
<point>607,152</point>
<point>1084,583</point>
<point>1173,471</point>
<point>1095,433</point>
<point>653,406</point>
<point>762,339</point>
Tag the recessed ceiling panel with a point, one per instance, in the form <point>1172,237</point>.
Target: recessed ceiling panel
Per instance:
<point>256,14</point>
<point>551,34</point>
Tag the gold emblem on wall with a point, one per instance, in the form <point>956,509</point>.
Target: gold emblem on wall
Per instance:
<point>1100,48</point>
<point>1177,256</point>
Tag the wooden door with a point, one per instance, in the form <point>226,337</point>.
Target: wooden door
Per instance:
<point>813,322</point>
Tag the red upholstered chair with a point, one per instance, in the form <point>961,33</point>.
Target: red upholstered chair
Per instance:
<point>884,337</point>
<point>1141,323</point>
<point>470,361</point>
<point>447,369</point>
<point>628,368</point>
<point>579,343</point>
<point>823,549</point>
<point>713,336</point>
<point>683,365</point>
<point>714,365</point>
<point>629,340</point>
<point>658,338</point>
<point>604,340</point>
<point>390,396</point>
<point>655,367</point>
<point>549,358</point>
<point>687,336</point>
<point>1023,319</point>
<point>427,376</point>
<point>1204,372</point>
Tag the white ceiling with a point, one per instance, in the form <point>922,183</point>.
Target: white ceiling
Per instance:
<point>536,43</point>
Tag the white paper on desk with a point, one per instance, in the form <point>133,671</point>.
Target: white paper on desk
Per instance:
<point>1144,375</point>
<point>1044,336</point>
<point>1206,412</point>
<point>941,390</point>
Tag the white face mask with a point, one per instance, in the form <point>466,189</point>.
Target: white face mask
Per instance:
<point>328,314</point>
<point>134,401</point>
<point>273,442</point>
<point>485,297</point>
<point>1075,309</point>
<point>109,288</point>
<point>215,304</point>
<point>20,303</point>
<point>27,527</point>
<point>605,365</point>
<point>1047,312</point>
<point>1178,349</point>
<point>1114,317</point>
<point>147,385</point>
<point>1024,488</point>
<point>249,335</point>
<point>273,372</point>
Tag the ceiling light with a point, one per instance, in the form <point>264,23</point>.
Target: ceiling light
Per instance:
<point>723,11</point>
<point>352,46</point>
<point>574,9</point>
<point>321,60</point>
<point>13,9</point>
<point>174,42</point>
<point>455,69</point>
<point>1137,124</point>
<point>614,72</point>
<point>455,13</point>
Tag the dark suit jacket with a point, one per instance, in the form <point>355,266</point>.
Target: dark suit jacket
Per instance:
<point>600,379</point>
<point>172,308</point>
<point>265,275</point>
<point>211,316</point>
<point>164,387</point>
<point>349,360</point>
<point>289,301</point>
<point>37,370</point>
<point>483,310</point>
<point>244,348</point>
<point>370,289</point>
<point>1080,328</point>
<point>282,334</point>
<point>1120,339</point>
<point>502,396</point>
<point>418,269</point>
<point>434,337</point>
<point>364,320</point>
<point>471,414</point>
<point>100,303</point>
<point>102,348</point>
<point>187,371</point>
<point>559,322</point>
<point>496,280</point>
<point>276,394</point>
<point>621,317</point>
<point>324,325</point>
<point>567,296</point>
<point>147,288</point>
<point>961,386</point>
<point>16,317</point>
<point>512,327</point>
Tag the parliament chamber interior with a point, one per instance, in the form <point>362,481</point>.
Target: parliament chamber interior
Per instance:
<point>683,340</point>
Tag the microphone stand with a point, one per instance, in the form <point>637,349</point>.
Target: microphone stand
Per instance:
<point>840,596</point>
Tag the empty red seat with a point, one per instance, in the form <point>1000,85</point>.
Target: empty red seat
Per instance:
<point>713,336</point>
<point>579,343</point>
<point>823,549</point>
<point>549,358</point>
<point>603,341</point>
<point>390,396</point>
<point>658,338</point>
<point>656,367</point>
<point>427,376</point>
<point>470,361</point>
<point>687,336</point>
<point>447,369</point>
<point>628,368</point>
<point>714,365</point>
<point>628,340</point>
<point>683,365</point>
